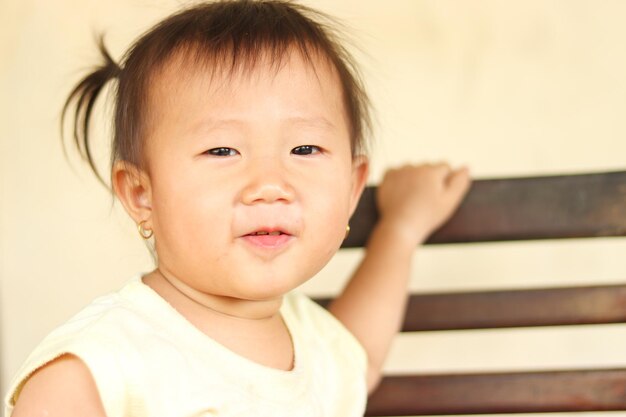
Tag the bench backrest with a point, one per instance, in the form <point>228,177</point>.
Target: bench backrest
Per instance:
<point>553,207</point>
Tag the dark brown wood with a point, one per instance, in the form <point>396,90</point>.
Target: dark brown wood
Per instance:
<point>565,206</point>
<point>533,392</point>
<point>516,308</point>
<point>548,207</point>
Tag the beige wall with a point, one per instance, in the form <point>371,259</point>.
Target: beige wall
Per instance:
<point>508,87</point>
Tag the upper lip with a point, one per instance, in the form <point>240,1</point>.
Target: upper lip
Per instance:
<point>269,229</point>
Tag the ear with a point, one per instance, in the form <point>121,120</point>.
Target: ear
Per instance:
<point>133,188</point>
<point>360,170</point>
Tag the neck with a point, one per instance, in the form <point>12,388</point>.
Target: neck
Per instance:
<point>176,291</point>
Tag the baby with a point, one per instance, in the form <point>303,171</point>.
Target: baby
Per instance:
<point>239,149</point>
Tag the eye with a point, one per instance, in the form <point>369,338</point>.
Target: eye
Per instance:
<point>306,150</point>
<point>222,152</point>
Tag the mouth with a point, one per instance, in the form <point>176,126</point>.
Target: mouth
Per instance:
<point>266,233</point>
<point>268,238</point>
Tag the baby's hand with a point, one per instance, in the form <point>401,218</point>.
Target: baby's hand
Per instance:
<point>416,199</point>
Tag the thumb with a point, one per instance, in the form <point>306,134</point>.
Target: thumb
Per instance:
<point>459,182</point>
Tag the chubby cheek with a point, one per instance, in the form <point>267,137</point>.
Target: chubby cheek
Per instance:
<point>189,220</point>
<point>329,215</point>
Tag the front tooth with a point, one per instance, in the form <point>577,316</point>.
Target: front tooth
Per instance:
<point>261,233</point>
<point>275,233</point>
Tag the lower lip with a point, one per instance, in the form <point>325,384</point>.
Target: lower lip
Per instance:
<point>268,241</point>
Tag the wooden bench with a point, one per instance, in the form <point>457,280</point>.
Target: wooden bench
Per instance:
<point>550,207</point>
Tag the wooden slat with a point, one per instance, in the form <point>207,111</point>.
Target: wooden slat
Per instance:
<point>519,308</point>
<point>548,207</point>
<point>598,390</point>
<point>515,308</point>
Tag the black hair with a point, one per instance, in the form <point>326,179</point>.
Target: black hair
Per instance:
<point>229,32</point>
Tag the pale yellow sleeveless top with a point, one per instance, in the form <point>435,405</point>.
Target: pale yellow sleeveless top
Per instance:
<point>148,360</point>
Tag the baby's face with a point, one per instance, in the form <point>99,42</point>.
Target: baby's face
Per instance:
<point>230,156</point>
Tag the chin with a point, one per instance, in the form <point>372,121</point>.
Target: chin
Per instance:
<point>264,295</point>
<point>269,290</point>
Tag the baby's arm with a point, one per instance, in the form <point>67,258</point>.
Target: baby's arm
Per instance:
<point>412,201</point>
<point>64,387</point>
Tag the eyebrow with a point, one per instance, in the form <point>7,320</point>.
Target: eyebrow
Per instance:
<point>312,122</point>
<point>317,122</point>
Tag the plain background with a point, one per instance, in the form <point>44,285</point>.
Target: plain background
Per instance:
<point>511,88</point>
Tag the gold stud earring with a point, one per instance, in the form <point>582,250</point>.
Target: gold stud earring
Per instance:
<point>146,234</point>
<point>347,231</point>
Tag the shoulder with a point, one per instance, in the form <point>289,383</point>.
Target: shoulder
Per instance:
<point>339,359</point>
<point>105,318</point>
<point>321,326</point>
<point>63,387</point>
<point>310,314</point>
<point>92,345</point>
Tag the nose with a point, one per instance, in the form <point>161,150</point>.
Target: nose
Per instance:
<point>267,183</point>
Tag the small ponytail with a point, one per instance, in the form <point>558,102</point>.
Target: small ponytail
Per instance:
<point>83,97</point>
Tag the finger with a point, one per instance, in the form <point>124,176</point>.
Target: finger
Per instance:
<point>459,181</point>
<point>441,170</point>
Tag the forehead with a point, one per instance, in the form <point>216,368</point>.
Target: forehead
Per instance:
<point>304,78</point>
